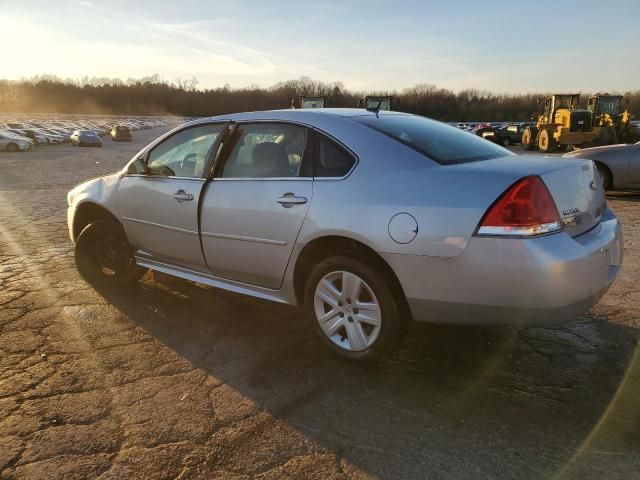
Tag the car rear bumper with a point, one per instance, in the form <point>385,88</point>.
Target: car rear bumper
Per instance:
<point>520,282</point>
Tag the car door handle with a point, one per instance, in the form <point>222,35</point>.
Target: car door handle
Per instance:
<point>288,200</point>
<point>182,196</point>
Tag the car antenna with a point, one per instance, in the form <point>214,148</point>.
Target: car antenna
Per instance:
<point>376,109</point>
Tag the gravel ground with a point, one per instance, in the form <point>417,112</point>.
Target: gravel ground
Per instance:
<point>176,380</point>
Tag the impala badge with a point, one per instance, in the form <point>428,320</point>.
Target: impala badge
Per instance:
<point>570,211</point>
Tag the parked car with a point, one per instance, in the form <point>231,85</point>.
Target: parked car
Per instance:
<point>36,137</point>
<point>353,214</point>
<point>619,165</point>
<point>85,138</point>
<point>120,133</point>
<point>52,138</point>
<point>14,143</point>
<point>509,135</point>
<point>487,132</point>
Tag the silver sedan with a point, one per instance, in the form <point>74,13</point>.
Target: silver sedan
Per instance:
<point>619,165</point>
<point>367,219</point>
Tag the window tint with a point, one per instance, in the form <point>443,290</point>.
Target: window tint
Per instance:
<point>331,160</point>
<point>185,153</point>
<point>440,142</point>
<point>266,150</point>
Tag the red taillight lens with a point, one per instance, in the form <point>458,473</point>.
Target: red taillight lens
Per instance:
<point>526,208</point>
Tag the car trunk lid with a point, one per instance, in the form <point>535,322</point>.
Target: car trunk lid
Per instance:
<point>579,195</point>
<point>574,184</point>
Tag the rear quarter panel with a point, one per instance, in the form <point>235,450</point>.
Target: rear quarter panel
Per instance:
<point>447,202</point>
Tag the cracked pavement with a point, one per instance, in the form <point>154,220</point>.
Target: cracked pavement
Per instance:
<point>173,379</point>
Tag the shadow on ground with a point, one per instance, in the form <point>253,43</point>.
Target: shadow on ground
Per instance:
<point>459,401</point>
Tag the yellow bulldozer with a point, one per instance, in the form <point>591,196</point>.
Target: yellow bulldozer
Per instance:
<point>562,123</point>
<point>312,102</point>
<point>610,120</point>
<point>372,102</point>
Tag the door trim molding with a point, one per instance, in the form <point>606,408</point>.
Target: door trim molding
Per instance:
<point>159,225</point>
<point>268,241</point>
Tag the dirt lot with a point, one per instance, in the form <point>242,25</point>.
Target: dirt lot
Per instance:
<point>177,380</point>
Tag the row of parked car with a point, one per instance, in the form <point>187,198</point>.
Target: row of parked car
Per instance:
<point>503,133</point>
<point>19,134</point>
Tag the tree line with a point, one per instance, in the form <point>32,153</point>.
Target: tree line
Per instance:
<point>155,96</point>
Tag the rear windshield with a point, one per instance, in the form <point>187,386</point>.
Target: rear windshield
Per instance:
<point>443,143</point>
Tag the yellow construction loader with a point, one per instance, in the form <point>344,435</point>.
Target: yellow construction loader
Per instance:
<point>312,102</point>
<point>378,102</point>
<point>611,120</point>
<point>562,123</point>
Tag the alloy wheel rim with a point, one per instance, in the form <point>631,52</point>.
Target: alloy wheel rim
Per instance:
<point>347,311</point>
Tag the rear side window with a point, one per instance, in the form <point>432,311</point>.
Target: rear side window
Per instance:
<point>266,150</point>
<point>331,159</point>
<point>442,143</point>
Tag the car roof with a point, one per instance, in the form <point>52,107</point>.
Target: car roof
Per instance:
<point>301,114</point>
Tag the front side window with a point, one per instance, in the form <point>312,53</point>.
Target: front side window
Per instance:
<point>266,150</point>
<point>185,153</point>
<point>440,142</point>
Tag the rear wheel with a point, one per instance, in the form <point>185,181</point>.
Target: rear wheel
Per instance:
<point>546,142</point>
<point>605,173</point>
<point>12,147</point>
<point>506,141</point>
<point>354,309</point>
<point>529,139</point>
<point>104,257</point>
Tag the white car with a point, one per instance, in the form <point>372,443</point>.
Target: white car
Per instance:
<point>14,143</point>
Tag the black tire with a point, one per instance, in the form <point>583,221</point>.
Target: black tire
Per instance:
<point>394,320</point>
<point>12,147</point>
<point>506,142</point>
<point>546,142</point>
<point>104,257</point>
<point>529,138</point>
<point>607,178</point>
<point>561,147</point>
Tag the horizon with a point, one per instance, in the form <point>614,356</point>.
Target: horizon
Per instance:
<point>367,46</point>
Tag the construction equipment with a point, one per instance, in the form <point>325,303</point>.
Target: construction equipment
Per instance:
<point>312,102</point>
<point>612,123</point>
<point>378,102</point>
<point>562,123</point>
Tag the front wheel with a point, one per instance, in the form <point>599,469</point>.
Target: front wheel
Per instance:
<point>354,309</point>
<point>104,257</point>
<point>546,142</point>
<point>506,141</point>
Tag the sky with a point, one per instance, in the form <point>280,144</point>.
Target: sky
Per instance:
<point>502,46</point>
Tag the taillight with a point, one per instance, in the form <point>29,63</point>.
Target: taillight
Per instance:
<point>525,209</point>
